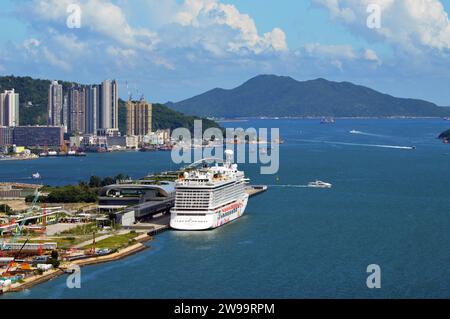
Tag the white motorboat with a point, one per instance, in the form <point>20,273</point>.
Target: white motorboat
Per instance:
<point>319,184</point>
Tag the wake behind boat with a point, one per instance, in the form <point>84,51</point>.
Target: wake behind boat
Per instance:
<point>209,197</point>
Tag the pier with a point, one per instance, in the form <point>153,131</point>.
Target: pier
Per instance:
<point>254,190</point>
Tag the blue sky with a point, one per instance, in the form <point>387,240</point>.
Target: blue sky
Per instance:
<point>174,49</point>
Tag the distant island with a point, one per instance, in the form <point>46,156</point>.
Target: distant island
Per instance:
<point>281,96</point>
<point>34,100</point>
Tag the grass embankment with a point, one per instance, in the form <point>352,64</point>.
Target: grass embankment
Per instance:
<point>80,230</point>
<point>71,237</point>
<point>116,242</point>
<point>63,242</point>
<point>113,242</point>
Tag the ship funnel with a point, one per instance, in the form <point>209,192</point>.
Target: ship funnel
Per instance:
<point>229,156</point>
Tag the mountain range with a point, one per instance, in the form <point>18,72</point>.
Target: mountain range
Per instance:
<point>282,96</point>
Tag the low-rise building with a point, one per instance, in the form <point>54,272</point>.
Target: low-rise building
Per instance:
<point>38,136</point>
<point>94,143</point>
<point>160,137</point>
<point>132,202</point>
<point>131,142</point>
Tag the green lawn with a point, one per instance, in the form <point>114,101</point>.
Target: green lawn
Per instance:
<point>63,242</point>
<point>85,229</point>
<point>115,242</point>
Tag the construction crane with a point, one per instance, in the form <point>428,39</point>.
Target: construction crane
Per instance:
<point>130,96</point>
<point>93,244</point>
<point>19,227</point>
<point>34,205</point>
<point>15,257</point>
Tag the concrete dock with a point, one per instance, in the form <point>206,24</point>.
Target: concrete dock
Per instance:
<point>253,190</point>
<point>153,226</point>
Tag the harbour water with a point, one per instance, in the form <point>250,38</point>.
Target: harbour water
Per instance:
<point>388,206</point>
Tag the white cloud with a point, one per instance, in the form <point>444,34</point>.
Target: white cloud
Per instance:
<point>100,16</point>
<point>119,52</point>
<point>371,55</point>
<point>411,26</point>
<point>205,14</point>
<point>338,55</point>
<point>70,43</point>
<point>164,63</point>
<point>31,44</point>
<point>346,52</point>
<point>52,59</point>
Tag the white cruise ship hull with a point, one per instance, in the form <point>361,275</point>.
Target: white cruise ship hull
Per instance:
<point>206,220</point>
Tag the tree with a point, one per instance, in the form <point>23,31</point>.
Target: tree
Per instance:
<point>55,254</point>
<point>121,177</point>
<point>4,208</point>
<point>54,259</point>
<point>108,181</point>
<point>95,182</point>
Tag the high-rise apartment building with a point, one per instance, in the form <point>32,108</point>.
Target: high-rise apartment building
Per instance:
<point>77,108</point>
<point>92,109</point>
<point>85,109</point>
<point>139,118</point>
<point>65,112</point>
<point>109,105</point>
<point>55,104</point>
<point>9,108</point>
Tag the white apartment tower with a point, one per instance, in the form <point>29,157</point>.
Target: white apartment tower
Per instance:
<point>55,104</point>
<point>108,117</point>
<point>9,108</point>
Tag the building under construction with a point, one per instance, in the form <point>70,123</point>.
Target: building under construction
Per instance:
<point>139,118</point>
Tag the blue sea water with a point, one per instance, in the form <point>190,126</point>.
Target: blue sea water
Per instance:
<point>388,206</point>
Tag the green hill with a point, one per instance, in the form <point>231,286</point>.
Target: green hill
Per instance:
<point>34,91</point>
<point>280,96</point>
<point>34,100</point>
<point>164,118</point>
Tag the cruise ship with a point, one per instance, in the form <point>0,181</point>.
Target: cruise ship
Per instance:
<point>209,197</point>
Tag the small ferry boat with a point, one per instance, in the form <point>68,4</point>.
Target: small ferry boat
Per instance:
<point>36,175</point>
<point>319,184</point>
<point>328,120</point>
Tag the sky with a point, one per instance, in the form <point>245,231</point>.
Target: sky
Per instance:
<point>170,50</point>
